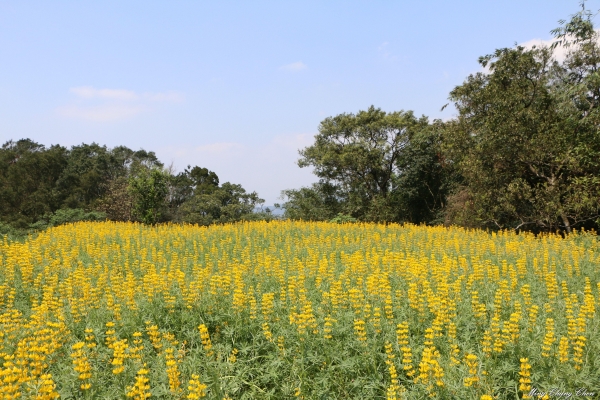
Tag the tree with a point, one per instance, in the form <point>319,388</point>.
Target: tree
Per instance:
<point>117,201</point>
<point>127,162</point>
<point>149,192</point>
<point>189,183</point>
<point>28,175</point>
<point>82,181</point>
<point>320,202</point>
<point>526,140</point>
<point>425,177</point>
<point>41,187</point>
<point>373,166</point>
<point>213,204</point>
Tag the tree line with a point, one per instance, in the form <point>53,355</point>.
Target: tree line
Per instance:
<point>523,153</point>
<point>46,186</point>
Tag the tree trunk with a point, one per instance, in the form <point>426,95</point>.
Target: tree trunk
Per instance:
<point>566,221</point>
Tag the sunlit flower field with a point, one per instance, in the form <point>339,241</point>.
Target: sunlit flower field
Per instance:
<point>297,310</point>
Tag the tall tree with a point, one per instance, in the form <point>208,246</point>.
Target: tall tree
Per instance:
<point>82,181</point>
<point>374,166</point>
<point>211,203</point>
<point>526,140</point>
<point>319,202</point>
<point>191,182</point>
<point>425,177</point>
<point>149,192</point>
<point>28,175</point>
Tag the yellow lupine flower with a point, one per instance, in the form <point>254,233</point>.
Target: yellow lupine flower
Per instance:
<point>481,290</point>
<point>141,389</point>
<point>196,389</point>
<point>205,338</point>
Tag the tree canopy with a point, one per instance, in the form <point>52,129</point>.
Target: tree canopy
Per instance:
<point>523,152</point>
<point>373,166</point>
<point>526,140</point>
<point>45,186</point>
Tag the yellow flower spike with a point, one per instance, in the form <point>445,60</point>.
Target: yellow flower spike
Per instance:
<point>141,388</point>
<point>173,373</point>
<point>205,338</point>
<point>81,365</point>
<point>310,275</point>
<point>359,330</point>
<point>196,389</point>
<point>549,338</point>
<point>578,348</point>
<point>525,378</point>
<point>473,365</point>
<point>563,350</point>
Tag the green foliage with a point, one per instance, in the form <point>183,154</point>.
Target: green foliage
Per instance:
<point>219,204</point>
<point>189,183</point>
<point>195,197</point>
<point>374,166</point>
<point>526,140</point>
<point>358,154</point>
<point>342,219</point>
<point>37,185</point>
<point>36,181</point>
<point>426,178</point>
<point>88,167</point>
<point>320,202</point>
<point>117,201</point>
<point>7,230</point>
<point>28,176</point>
<point>149,193</point>
<point>66,216</point>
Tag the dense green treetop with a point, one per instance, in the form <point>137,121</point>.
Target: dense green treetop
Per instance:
<point>373,166</point>
<point>526,140</point>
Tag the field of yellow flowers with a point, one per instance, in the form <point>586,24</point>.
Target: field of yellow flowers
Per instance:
<point>295,309</point>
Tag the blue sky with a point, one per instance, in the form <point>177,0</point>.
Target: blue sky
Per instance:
<point>239,86</point>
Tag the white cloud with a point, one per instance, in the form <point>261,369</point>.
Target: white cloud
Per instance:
<point>266,168</point>
<point>297,141</point>
<point>560,52</point>
<point>102,113</point>
<point>102,105</point>
<point>89,92</point>
<point>295,66</point>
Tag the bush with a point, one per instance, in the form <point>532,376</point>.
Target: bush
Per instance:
<point>342,219</point>
<point>8,230</point>
<point>66,216</point>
